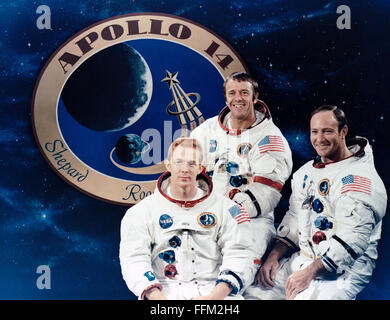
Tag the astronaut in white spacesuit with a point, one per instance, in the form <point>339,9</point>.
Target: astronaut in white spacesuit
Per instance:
<point>327,241</point>
<point>247,156</point>
<point>185,241</point>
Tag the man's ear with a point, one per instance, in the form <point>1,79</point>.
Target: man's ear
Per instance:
<point>344,131</point>
<point>255,96</point>
<point>167,165</point>
<point>201,168</point>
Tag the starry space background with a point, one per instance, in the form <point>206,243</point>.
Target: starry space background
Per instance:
<point>294,49</point>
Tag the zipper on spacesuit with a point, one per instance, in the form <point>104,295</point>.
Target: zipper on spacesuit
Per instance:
<point>185,239</point>
<point>186,255</point>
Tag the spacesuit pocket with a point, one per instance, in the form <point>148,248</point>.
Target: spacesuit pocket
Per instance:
<point>268,164</point>
<point>358,217</point>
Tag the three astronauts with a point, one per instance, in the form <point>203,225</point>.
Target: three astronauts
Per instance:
<point>208,231</point>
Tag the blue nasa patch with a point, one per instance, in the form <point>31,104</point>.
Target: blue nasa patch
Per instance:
<point>323,187</point>
<point>207,220</point>
<point>165,221</point>
<point>213,145</point>
<point>150,275</point>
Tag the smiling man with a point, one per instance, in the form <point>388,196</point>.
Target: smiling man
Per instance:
<point>185,241</point>
<point>327,241</point>
<point>328,130</point>
<point>247,157</point>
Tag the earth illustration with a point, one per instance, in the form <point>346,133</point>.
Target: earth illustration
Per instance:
<point>129,148</point>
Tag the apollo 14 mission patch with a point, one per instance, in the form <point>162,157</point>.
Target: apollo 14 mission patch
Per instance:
<point>207,220</point>
<point>110,101</point>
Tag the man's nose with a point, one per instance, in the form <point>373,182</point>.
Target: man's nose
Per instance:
<point>237,96</point>
<point>184,167</point>
<point>320,136</point>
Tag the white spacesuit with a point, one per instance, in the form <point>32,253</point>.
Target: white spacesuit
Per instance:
<point>335,214</point>
<point>249,166</point>
<point>186,247</point>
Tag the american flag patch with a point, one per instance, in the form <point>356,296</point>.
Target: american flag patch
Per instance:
<point>356,183</point>
<point>271,143</point>
<point>239,214</point>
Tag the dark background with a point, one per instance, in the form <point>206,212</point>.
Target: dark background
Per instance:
<point>294,49</point>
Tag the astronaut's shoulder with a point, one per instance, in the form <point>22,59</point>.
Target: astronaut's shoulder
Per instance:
<point>271,135</point>
<point>142,207</point>
<point>362,182</point>
<point>301,175</point>
<point>221,202</point>
<point>305,169</point>
<point>360,169</point>
<point>272,128</point>
<point>208,124</point>
<point>226,201</point>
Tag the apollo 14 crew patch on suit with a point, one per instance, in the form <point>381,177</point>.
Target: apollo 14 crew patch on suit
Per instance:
<point>207,220</point>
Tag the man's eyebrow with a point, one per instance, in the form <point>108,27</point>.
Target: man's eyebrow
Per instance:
<point>327,128</point>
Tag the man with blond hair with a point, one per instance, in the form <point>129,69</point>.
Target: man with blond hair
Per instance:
<point>185,241</point>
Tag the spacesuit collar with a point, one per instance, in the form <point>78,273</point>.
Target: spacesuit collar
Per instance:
<point>356,145</point>
<point>204,183</point>
<point>259,106</point>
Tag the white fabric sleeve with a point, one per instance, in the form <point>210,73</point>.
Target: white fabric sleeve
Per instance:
<point>355,223</point>
<point>135,252</point>
<point>236,242</point>
<point>263,228</point>
<point>270,171</point>
<point>201,134</point>
<point>267,198</point>
<point>288,229</point>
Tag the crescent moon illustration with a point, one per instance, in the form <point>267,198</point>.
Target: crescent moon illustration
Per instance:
<point>154,169</point>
